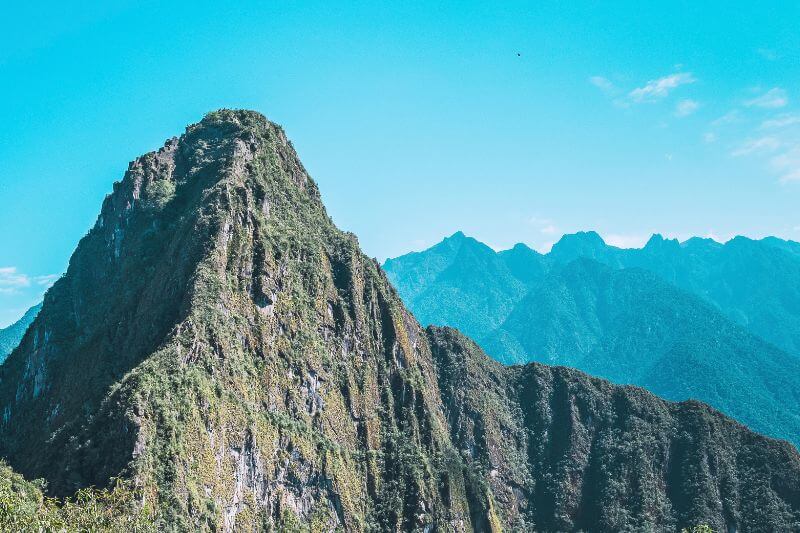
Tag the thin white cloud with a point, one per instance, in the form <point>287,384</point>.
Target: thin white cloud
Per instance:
<point>548,230</point>
<point>47,280</point>
<point>757,146</point>
<point>772,99</point>
<point>12,281</point>
<point>10,278</point>
<point>545,226</point>
<point>710,137</point>
<point>686,107</point>
<point>659,88</point>
<point>787,165</point>
<point>728,118</point>
<point>791,176</point>
<point>781,121</point>
<point>604,84</point>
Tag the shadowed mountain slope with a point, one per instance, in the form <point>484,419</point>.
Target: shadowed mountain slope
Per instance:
<point>219,342</point>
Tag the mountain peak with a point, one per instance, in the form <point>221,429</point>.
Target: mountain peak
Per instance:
<point>657,241</point>
<point>581,244</point>
<point>522,247</point>
<point>591,238</point>
<point>218,340</point>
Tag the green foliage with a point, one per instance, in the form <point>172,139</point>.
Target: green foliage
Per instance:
<point>24,508</point>
<point>698,529</point>
<point>159,193</point>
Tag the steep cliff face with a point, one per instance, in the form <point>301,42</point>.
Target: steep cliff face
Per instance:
<point>217,340</point>
<point>562,451</point>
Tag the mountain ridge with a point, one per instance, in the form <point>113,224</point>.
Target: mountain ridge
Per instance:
<point>550,318</point>
<point>220,343</point>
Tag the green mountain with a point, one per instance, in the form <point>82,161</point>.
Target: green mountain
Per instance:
<point>630,326</point>
<point>459,282</point>
<point>11,336</point>
<point>754,283</point>
<point>219,343</point>
<point>626,324</point>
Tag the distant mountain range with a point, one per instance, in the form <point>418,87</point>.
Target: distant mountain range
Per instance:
<point>700,319</point>
<point>756,283</point>
<point>11,336</point>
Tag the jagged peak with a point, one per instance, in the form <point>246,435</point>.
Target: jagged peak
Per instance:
<point>221,148</point>
<point>522,247</point>
<point>705,242</point>
<point>658,241</point>
<point>459,239</point>
<point>457,236</point>
<point>589,237</point>
<point>580,243</point>
<point>520,250</point>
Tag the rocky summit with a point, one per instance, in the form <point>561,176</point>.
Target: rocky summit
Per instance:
<point>220,343</point>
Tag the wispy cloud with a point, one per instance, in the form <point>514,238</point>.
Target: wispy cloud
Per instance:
<point>781,121</point>
<point>11,280</point>
<point>659,88</point>
<point>545,226</point>
<point>710,137</point>
<point>757,146</point>
<point>604,84</point>
<point>686,107</point>
<point>772,99</point>
<point>47,280</point>
<point>787,165</point>
<point>730,117</point>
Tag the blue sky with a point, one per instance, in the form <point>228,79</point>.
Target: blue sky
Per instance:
<point>416,120</point>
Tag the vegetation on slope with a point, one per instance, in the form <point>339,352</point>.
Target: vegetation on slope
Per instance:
<point>24,508</point>
<point>218,342</point>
